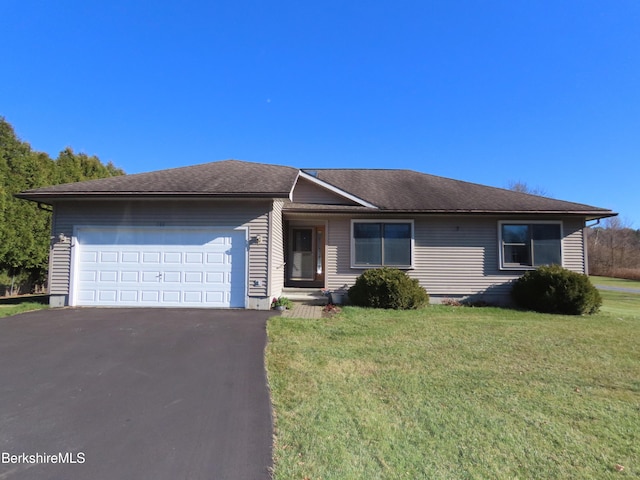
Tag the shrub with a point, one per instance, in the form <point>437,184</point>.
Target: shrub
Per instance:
<point>282,302</point>
<point>387,288</point>
<point>553,289</point>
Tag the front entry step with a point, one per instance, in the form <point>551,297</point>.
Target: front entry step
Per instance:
<point>310,296</point>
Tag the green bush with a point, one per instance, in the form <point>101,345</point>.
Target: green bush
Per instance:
<point>387,288</point>
<point>553,289</point>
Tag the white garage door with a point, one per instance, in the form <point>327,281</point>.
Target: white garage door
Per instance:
<point>159,267</point>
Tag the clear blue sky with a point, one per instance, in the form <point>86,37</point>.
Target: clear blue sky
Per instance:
<point>546,92</point>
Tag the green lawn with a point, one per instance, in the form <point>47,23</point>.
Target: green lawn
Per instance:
<point>619,303</point>
<point>8,310</point>
<point>456,392</point>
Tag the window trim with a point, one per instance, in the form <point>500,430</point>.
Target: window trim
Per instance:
<point>382,221</point>
<point>502,265</point>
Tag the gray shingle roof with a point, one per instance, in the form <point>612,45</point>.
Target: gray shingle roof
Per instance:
<point>224,178</point>
<point>390,190</point>
<point>407,190</point>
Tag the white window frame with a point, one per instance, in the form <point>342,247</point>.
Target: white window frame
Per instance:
<point>502,265</point>
<point>382,221</point>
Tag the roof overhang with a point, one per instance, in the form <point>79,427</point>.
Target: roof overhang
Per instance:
<point>51,198</point>
<point>314,208</point>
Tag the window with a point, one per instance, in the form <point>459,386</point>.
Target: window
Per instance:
<point>376,244</point>
<point>530,244</point>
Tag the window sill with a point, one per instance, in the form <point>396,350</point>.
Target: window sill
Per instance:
<point>369,267</point>
<point>518,268</point>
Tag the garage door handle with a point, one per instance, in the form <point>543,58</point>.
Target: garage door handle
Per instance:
<point>159,275</point>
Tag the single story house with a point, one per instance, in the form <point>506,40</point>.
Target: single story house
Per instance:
<point>235,234</point>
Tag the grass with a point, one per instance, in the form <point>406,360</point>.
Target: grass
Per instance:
<point>456,393</point>
<point>9,310</point>
<point>619,303</point>
<point>615,282</point>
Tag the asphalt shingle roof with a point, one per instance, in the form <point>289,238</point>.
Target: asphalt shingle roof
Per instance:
<point>390,190</point>
<point>408,190</point>
<point>225,178</point>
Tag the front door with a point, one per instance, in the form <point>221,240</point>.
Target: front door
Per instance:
<point>306,256</point>
<point>302,254</point>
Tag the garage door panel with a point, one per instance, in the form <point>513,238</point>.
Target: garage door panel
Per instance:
<point>206,269</point>
<point>108,276</point>
<point>130,257</point>
<point>129,296</point>
<point>213,278</point>
<point>193,257</point>
<point>151,258</point>
<point>193,296</point>
<point>88,276</point>
<point>172,277</point>
<point>171,296</point>
<point>105,295</point>
<point>215,297</point>
<point>172,257</point>
<point>150,296</point>
<point>129,276</point>
<point>89,257</point>
<point>87,295</point>
<point>108,257</point>
<point>193,277</point>
<point>151,277</point>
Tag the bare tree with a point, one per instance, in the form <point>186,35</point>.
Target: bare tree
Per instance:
<point>614,249</point>
<point>523,187</point>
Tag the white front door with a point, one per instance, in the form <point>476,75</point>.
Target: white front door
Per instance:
<point>159,267</point>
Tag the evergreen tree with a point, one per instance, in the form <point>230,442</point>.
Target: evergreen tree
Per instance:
<point>24,226</point>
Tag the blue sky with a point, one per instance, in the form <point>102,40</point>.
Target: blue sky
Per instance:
<point>545,92</point>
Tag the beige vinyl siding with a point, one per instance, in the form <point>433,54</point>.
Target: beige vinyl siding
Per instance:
<point>573,254</point>
<point>276,251</point>
<point>453,256</point>
<point>339,271</point>
<point>458,257</point>
<point>252,215</point>
<point>59,259</point>
<point>307,192</point>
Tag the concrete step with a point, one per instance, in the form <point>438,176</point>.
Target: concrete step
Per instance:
<point>311,296</point>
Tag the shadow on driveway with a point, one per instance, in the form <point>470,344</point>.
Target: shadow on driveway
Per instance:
<point>134,394</point>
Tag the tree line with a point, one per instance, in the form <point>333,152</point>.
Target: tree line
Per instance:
<point>614,250</point>
<point>25,227</point>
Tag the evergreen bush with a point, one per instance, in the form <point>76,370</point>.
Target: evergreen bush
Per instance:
<point>387,288</point>
<point>553,289</point>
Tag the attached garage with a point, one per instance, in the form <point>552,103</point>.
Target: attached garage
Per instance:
<point>159,266</point>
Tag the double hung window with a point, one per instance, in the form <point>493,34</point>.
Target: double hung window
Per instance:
<point>378,243</point>
<point>529,245</point>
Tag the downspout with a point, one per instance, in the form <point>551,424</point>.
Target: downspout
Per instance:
<point>593,225</point>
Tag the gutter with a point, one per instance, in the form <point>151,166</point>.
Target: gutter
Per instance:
<point>48,198</point>
<point>347,209</point>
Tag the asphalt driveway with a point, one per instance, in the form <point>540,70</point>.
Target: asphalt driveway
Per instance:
<point>134,394</point>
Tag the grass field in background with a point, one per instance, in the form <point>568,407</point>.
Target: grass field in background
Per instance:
<point>619,303</point>
<point>615,282</point>
<point>457,392</point>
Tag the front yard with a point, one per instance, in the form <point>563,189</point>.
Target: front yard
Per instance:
<point>456,392</point>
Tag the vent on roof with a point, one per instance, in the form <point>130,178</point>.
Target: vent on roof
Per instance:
<point>313,173</point>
